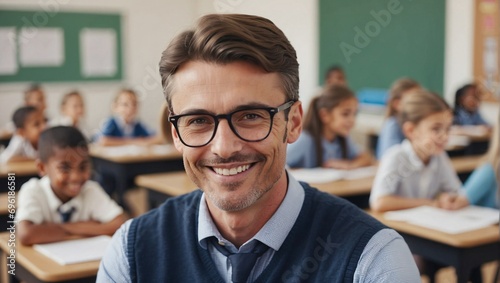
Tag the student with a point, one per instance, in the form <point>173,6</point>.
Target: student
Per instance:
<point>29,122</point>
<point>72,110</point>
<point>466,113</point>
<point>391,132</point>
<point>123,127</point>
<point>64,202</point>
<point>35,96</point>
<point>482,186</point>
<point>232,88</point>
<point>418,171</point>
<point>325,141</point>
<point>335,76</point>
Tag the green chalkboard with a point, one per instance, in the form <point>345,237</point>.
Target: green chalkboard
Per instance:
<point>378,41</point>
<point>72,24</point>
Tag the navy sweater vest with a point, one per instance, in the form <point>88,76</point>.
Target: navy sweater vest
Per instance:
<point>324,244</point>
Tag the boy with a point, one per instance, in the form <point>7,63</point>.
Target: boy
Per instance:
<point>64,202</point>
<point>29,123</point>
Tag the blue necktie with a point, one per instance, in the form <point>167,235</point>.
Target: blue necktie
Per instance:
<point>242,263</point>
<point>66,216</point>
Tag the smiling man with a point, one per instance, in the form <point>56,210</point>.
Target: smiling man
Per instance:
<point>232,88</point>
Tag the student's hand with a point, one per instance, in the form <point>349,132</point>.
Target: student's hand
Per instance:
<point>338,164</point>
<point>79,228</point>
<point>451,201</point>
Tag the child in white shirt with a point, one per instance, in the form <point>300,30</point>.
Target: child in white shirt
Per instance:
<point>29,122</point>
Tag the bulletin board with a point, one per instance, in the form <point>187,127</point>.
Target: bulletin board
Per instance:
<point>487,48</point>
<point>55,46</point>
<point>379,41</point>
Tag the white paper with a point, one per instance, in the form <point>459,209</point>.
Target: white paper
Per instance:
<point>8,51</point>
<point>457,141</point>
<point>448,221</point>
<point>43,48</point>
<point>473,131</point>
<point>75,251</point>
<point>326,175</point>
<point>98,49</point>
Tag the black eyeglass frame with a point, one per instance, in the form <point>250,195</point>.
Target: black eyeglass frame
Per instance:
<point>272,111</point>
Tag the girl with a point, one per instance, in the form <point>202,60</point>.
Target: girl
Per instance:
<point>391,132</point>
<point>72,110</point>
<point>325,141</point>
<point>418,171</point>
<point>481,188</point>
<point>466,112</point>
<point>124,128</point>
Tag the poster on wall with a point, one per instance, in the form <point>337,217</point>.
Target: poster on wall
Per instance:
<point>487,48</point>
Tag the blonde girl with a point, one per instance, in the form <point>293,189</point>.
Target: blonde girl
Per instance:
<point>391,132</point>
<point>325,141</point>
<point>418,171</point>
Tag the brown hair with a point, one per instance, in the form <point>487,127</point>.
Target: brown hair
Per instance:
<point>398,88</point>
<point>328,99</point>
<point>68,95</point>
<point>419,105</point>
<point>225,38</point>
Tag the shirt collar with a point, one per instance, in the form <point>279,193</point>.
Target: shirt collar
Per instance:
<point>273,233</point>
<point>415,161</point>
<point>54,201</point>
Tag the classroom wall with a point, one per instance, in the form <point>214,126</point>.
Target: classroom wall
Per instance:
<point>146,31</point>
<point>148,28</point>
<point>298,21</point>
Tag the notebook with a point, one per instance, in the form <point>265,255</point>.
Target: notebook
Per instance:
<point>449,221</point>
<point>75,251</point>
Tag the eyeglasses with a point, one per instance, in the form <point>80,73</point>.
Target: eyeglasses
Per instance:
<point>251,124</point>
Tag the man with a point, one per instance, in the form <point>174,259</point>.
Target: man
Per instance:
<point>232,88</point>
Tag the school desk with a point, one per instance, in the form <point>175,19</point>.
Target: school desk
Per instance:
<point>23,171</point>
<point>162,185</point>
<point>123,168</point>
<point>4,212</point>
<point>32,266</point>
<point>464,251</point>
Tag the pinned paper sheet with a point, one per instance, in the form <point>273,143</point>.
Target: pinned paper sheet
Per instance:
<point>449,221</point>
<point>98,49</point>
<point>41,47</point>
<point>8,51</point>
<point>75,251</point>
<point>325,175</point>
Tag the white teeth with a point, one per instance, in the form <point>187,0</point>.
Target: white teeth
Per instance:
<point>231,171</point>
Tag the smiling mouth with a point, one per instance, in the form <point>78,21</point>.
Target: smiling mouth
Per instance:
<point>231,171</point>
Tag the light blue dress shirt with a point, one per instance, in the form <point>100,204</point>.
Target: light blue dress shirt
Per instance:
<point>302,153</point>
<point>386,257</point>
<point>466,118</point>
<point>390,134</point>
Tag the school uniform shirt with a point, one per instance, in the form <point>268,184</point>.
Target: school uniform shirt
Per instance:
<point>390,135</point>
<point>116,127</point>
<point>18,147</point>
<point>466,118</point>
<point>402,173</point>
<point>38,203</point>
<point>68,121</point>
<point>302,153</point>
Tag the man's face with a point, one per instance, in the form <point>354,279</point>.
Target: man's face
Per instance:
<point>233,173</point>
